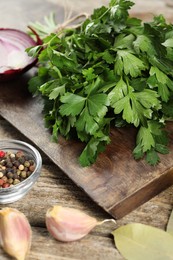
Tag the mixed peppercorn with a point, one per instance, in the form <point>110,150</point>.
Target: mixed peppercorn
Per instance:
<point>14,168</point>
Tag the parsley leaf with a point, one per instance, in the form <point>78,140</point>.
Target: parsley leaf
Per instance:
<point>126,59</point>
<point>110,71</point>
<point>151,140</point>
<point>72,104</point>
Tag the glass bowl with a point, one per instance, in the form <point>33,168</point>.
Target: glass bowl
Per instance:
<point>16,192</point>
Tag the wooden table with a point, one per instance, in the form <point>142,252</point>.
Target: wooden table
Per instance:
<point>53,186</point>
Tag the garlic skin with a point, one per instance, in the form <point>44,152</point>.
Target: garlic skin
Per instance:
<point>68,224</point>
<point>15,233</point>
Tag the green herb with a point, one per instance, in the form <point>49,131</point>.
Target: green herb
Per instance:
<point>113,70</point>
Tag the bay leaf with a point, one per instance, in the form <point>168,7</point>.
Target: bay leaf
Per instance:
<point>169,227</point>
<point>137,241</point>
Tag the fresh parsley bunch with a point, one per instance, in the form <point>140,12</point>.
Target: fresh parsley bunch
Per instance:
<point>114,70</point>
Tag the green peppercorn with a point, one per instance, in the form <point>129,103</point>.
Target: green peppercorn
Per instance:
<point>18,172</point>
<point>21,160</point>
<point>23,174</point>
<point>10,181</point>
<point>16,181</point>
<point>31,162</point>
<point>27,164</point>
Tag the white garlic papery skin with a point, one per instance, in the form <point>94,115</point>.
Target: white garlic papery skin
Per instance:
<point>68,224</point>
<point>15,233</point>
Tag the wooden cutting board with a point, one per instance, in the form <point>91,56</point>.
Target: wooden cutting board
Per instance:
<point>116,182</point>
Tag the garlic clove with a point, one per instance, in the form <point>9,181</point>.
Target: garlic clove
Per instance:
<point>68,224</point>
<point>15,233</point>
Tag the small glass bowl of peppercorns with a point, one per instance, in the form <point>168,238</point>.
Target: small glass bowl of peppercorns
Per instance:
<point>20,166</point>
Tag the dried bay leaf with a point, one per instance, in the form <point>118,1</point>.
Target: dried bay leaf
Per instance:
<point>137,241</point>
<point>169,227</point>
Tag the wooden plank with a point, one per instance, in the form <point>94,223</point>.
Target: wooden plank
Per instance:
<point>54,187</point>
<point>116,181</point>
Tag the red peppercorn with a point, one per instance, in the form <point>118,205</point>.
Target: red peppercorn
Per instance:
<point>6,185</point>
<point>2,154</point>
<point>1,182</point>
<point>4,178</point>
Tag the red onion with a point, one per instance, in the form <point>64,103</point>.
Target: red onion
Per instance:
<point>14,60</point>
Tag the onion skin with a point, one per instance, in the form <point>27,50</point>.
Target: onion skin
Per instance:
<point>12,74</point>
<point>22,41</point>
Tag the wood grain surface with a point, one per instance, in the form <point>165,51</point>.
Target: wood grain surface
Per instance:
<point>116,182</point>
<point>54,186</point>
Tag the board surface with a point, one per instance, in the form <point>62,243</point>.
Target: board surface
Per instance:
<point>116,181</point>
